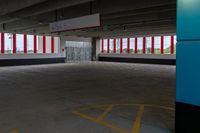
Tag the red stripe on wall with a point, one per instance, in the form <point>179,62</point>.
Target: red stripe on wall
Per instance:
<point>121,45</point>
<point>14,43</point>
<point>35,44</point>
<point>115,45</point>
<point>136,45</point>
<point>2,43</point>
<point>128,45</point>
<point>152,44</point>
<point>102,46</point>
<point>172,45</point>
<point>108,46</point>
<point>162,45</point>
<point>25,43</point>
<point>144,45</point>
<point>44,44</point>
<point>52,45</point>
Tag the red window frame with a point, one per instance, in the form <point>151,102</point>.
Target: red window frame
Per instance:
<point>162,45</point>
<point>44,44</point>
<point>172,45</point>
<point>102,46</point>
<point>35,43</point>
<point>144,45</point>
<point>115,49</point>
<point>152,45</point>
<point>128,45</point>
<point>108,45</point>
<point>2,43</point>
<point>25,43</point>
<point>14,43</point>
<point>121,45</point>
<point>52,45</point>
<point>136,45</point>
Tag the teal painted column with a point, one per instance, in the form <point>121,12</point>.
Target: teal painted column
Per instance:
<point>188,66</point>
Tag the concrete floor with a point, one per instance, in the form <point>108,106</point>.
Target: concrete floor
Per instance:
<point>87,98</point>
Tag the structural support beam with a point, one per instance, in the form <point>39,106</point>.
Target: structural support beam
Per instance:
<point>188,64</point>
<point>95,48</point>
<point>44,7</point>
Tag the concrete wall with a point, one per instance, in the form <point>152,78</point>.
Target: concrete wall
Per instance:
<point>146,59</point>
<point>143,56</point>
<point>29,56</point>
<point>63,39</point>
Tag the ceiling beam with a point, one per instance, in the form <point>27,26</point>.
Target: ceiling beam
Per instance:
<point>40,8</point>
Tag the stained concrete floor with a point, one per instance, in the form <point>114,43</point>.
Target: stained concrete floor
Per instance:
<point>87,98</point>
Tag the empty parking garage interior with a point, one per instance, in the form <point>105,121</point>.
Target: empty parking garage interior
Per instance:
<point>99,66</point>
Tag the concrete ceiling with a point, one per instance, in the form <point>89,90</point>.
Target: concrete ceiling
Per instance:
<point>119,17</point>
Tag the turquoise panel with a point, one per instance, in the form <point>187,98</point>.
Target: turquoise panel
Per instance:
<point>188,20</point>
<point>188,72</point>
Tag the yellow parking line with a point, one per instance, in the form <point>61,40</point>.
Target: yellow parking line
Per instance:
<point>83,116</point>
<point>105,113</point>
<point>103,123</point>
<point>14,131</point>
<point>146,105</point>
<point>111,126</point>
<point>138,120</point>
<point>101,119</point>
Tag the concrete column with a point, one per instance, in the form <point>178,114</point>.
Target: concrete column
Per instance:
<point>95,49</point>
<point>62,45</point>
<point>188,67</point>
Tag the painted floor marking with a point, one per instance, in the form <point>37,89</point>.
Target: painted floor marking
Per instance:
<point>14,131</point>
<point>103,123</point>
<point>105,105</point>
<point>101,119</point>
<point>137,122</point>
<point>104,114</point>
